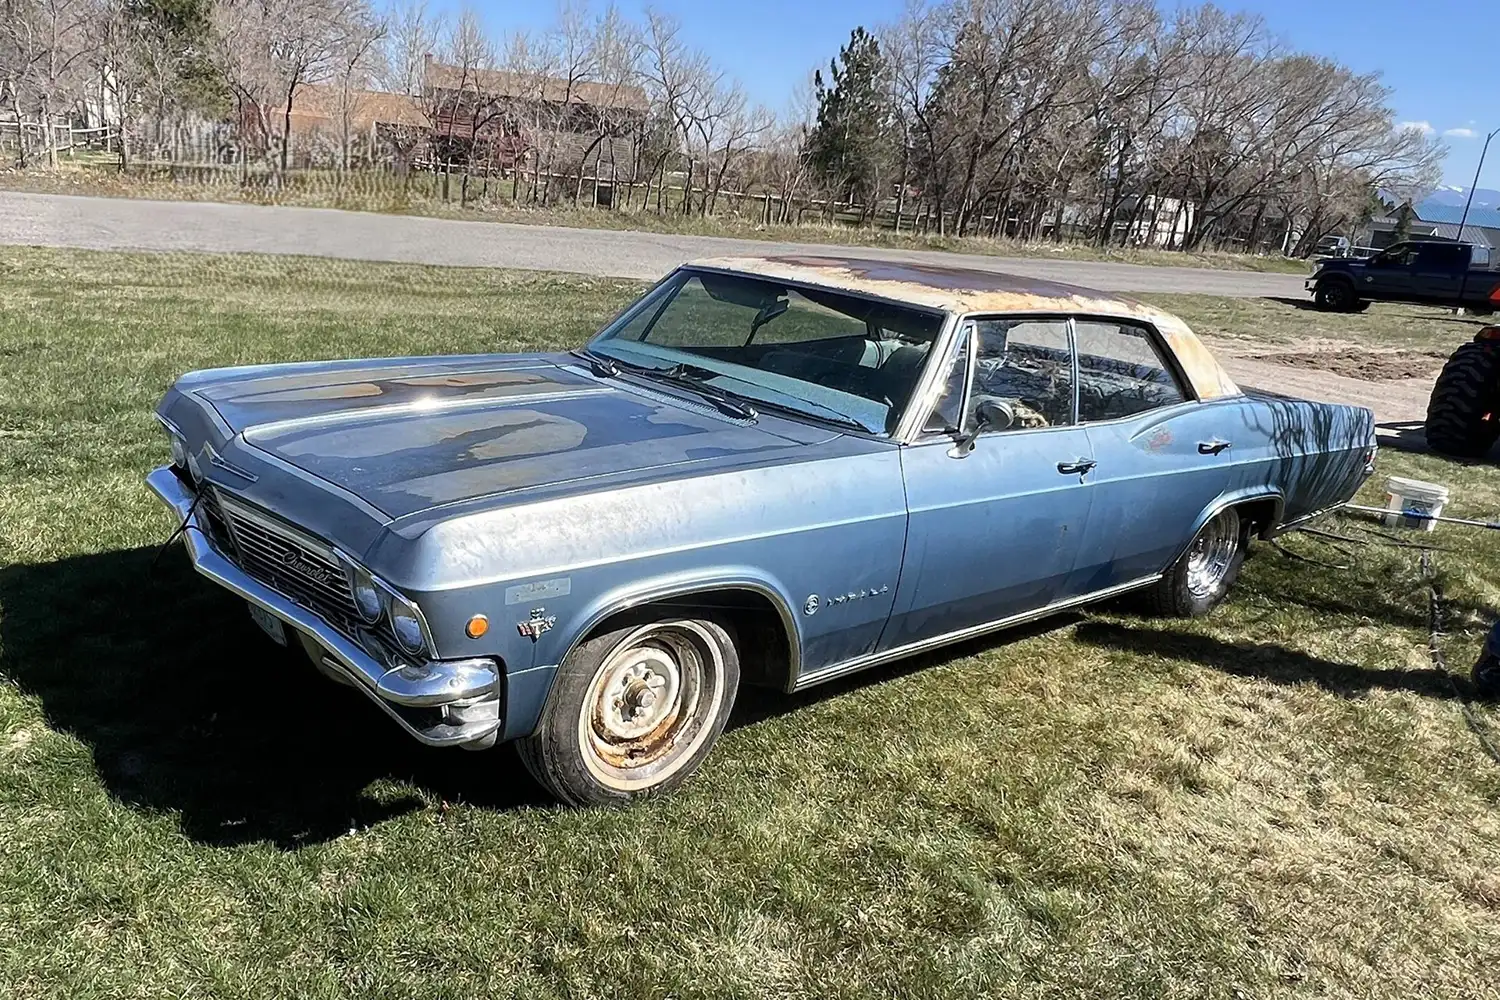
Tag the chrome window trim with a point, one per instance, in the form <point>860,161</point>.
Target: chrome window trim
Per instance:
<point>969,319</point>
<point>924,396</point>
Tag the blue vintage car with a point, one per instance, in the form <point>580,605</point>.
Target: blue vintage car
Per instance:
<point>769,471</point>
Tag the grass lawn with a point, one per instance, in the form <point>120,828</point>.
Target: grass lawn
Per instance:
<point>375,191</point>
<point>1280,799</point>
<point>1281,322</point>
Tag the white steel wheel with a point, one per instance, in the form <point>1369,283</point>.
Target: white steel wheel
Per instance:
<point>634,711</point>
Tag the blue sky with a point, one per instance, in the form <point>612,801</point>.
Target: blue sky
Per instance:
<point>1438,55</point>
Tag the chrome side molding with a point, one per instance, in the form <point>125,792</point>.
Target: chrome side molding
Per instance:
<point>828,673</point>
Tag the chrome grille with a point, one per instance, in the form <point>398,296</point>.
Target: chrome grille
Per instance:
<point>218,529</point>
<point>274,555</point>
<point>292,568</point>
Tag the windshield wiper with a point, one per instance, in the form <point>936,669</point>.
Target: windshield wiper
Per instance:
<point>598,364</point>
<point>693,383</point>
<point>685,371</point>
<point>829,416</point>
<point>689,377</point>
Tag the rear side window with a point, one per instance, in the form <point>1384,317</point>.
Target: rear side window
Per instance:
<point>1121,371</point>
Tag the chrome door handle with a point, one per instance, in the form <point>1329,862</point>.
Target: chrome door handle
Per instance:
<point>1078,468</point>
<point>1212,447</point>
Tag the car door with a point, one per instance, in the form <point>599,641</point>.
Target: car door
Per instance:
<point>1388,275</point>
<point>994,521</point>
<point>1163,457</point>
<point>1438,270</point>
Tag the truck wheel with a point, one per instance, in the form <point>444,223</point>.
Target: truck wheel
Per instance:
<point>633,711</point>
<point>1335,296</point>
<point>1461,415</point>
<point>1203,575</point>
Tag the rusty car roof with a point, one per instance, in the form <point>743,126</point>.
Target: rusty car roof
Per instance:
<point>972,290</point>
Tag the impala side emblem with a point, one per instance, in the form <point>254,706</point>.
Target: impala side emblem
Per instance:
<point>857,595</point>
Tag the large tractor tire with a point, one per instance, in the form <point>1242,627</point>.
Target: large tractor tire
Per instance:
<point>1462,413</point>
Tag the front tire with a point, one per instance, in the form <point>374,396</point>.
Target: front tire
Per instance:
<point>634,711</point>
<point>1335,296</point>
<point>1198,580</point>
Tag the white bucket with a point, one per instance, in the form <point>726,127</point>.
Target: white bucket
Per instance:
<point>1416,496</point>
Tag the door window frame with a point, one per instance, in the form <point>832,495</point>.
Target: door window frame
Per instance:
<point>968,333</point>
<point>1163,351</point>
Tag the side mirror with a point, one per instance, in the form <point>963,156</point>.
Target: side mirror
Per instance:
<point>990,414</point>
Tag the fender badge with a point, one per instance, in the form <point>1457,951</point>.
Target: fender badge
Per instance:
<point>538,623</point>
<point>810,606</point>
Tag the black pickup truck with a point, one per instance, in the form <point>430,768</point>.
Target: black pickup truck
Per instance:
<point>1434,272</point>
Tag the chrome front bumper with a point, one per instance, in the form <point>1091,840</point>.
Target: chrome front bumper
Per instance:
<point>441,702</point>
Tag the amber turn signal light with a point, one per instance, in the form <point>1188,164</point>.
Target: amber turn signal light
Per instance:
<point>477,626</point>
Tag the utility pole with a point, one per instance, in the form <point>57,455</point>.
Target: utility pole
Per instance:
<point>1463,281</point>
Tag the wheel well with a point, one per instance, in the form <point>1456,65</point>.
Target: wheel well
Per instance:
<point>1336,276</point>
<point>1258,516</point>
<point>759,629</point>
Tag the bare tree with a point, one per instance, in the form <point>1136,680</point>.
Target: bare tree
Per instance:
<point>44,47</point>
<point>268,49</point>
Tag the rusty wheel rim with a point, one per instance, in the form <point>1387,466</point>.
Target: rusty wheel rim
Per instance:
<point>650,704</point>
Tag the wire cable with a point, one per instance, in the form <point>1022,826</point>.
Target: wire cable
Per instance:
<point>182,529</point>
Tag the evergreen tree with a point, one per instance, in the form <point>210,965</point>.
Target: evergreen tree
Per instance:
<point>847,145</point>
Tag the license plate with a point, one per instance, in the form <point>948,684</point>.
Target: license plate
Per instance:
<point>269,624</point>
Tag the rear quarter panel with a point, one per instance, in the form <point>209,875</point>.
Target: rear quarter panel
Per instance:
<point>1313,454</point>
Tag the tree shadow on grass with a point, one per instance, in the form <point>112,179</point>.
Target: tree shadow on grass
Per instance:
<point>1271,662</point>
<point>188,708</point>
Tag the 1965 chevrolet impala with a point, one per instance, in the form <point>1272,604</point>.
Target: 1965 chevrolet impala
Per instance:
<point>767,470</point>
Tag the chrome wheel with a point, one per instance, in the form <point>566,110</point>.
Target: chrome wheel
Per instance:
<point>1212,555</point>
<point>650,704</point>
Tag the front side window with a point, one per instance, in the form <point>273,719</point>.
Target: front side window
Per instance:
<point>821,353</point>
<point>1023,363</point>
<point>1121,371</point>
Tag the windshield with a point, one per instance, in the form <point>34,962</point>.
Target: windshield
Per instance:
<point>820,353</point>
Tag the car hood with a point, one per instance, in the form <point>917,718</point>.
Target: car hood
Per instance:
<point>408,436</point>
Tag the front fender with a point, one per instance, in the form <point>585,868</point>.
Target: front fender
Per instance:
<point>554,646</point>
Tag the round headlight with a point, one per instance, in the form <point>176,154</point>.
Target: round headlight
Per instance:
<point>366,596</point>
<point>193,468</point>
<point>407,626</point>
<point>179,452</point>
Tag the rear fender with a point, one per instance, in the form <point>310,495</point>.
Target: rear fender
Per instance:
<point>1235,499</point>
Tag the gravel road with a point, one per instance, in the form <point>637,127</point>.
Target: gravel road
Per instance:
<point>129,224</point>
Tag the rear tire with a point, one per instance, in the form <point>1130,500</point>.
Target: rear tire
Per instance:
<point>1461,415</point>
<point>1198,580</point>
<point>634,711</point>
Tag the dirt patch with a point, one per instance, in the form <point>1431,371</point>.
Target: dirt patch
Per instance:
<point>1371,366</point>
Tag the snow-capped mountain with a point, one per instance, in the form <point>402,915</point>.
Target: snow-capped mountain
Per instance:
<point>1454,196</point>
